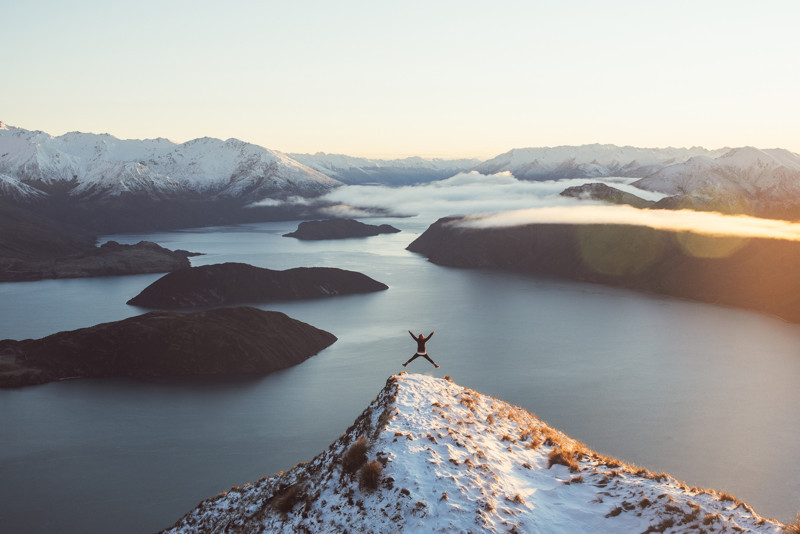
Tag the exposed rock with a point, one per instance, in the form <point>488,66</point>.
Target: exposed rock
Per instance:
<point>757,274</point>
<point>428,455</point>
<point>338,229</point>
<point>605,193</point>
<point>230,283</point>
<point>225,341</point>
<point>110,259</point>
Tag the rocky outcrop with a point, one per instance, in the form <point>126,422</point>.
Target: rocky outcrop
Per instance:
<point>757,274</point>
<point>605,193</point>
<point>230,283</point>
<point>338,229</point>
<point>225,341</point>
<point>428,455</point>
<point>110,259</point>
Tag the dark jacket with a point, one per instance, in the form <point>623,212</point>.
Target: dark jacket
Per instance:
<point>421,340</point>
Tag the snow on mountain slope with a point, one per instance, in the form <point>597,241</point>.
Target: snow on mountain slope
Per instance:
<point>100,165</point>
<point>12,188</point>
<point>770,174</point>
<point>405,171</point>
<point>428,455</point>
<point>587,161</point>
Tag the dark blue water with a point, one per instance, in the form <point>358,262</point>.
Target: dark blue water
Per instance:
<point>706,393</point>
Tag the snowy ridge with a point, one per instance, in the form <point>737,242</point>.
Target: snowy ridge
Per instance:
<point>12,188</point>
<point>588,161</point>
<point>770,174</point>
<point>355,170</point>
<point>428,455</point>
<point>100,165</point>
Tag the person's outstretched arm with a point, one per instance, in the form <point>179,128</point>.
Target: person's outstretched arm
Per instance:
<point>412,335</point>
<point>431,334</point>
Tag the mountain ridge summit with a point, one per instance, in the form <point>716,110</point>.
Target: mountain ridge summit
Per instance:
<point>428,455</point>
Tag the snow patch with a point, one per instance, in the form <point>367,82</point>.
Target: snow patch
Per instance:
<point>450,459</point>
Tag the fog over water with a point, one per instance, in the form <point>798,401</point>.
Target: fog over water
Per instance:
<point>705,393</point>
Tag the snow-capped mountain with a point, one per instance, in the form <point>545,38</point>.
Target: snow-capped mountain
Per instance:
<point>770,174</point>
<point>428,455</point>
<point>404,171</point>
<point>588,161</point>
<point>91,166</point>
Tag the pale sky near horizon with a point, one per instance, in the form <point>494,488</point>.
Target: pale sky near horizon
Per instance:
<point>392,79</point>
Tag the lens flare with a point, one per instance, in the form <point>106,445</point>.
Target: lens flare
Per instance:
<point>619,250</point>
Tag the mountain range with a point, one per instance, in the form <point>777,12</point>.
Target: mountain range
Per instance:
<point>405,171</point>
<point>770,176</point>
<point>589,161</point>
<point>428,455</point>
<point>106,185</point>
<point>98,166</point>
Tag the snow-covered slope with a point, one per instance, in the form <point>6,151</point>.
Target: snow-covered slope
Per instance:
<point>771,174</point>
<point>588,161</point>
<point>100,165</point>
<point>428,455</point>
<point>405,171</point>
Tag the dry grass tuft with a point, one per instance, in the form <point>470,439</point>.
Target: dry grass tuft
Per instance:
<point>792,528</point>
<point>563,457</point>
<point>287,501</point>
<point>517,499</point>
<point>661,527</point>
<point>467,401</point>
<point>727,497</point>
<point>614,512</point>
<point>370,475</point>
<point>355,456</point>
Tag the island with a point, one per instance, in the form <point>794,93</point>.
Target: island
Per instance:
<point>605,193</point>
<point>236,283</point>
<point>109,259</point>
<point>752,273</point>
<point>33,247</point>
<point>338,229</point>
<point>220,342</point>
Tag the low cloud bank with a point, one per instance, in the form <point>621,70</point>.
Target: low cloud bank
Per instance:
<point>502,200</point>
<point>467,194</point>
<point>708,223</point>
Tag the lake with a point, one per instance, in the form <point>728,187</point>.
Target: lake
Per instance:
<point>708,394</point>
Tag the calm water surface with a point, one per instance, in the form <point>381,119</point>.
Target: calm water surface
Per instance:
<point>708,394</point>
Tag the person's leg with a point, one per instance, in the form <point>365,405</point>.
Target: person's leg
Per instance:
<point>429,359</point>
<point>414,357</point>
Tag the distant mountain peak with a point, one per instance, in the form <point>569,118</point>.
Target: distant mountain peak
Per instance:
<point>587,161</point>
<point>428,455</point>
<point>400,171</point>
<point>88,165</point>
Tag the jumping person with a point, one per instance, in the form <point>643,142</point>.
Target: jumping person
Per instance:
<point>421,340</point>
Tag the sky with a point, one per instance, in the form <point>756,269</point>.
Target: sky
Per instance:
<point>393,79</point>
